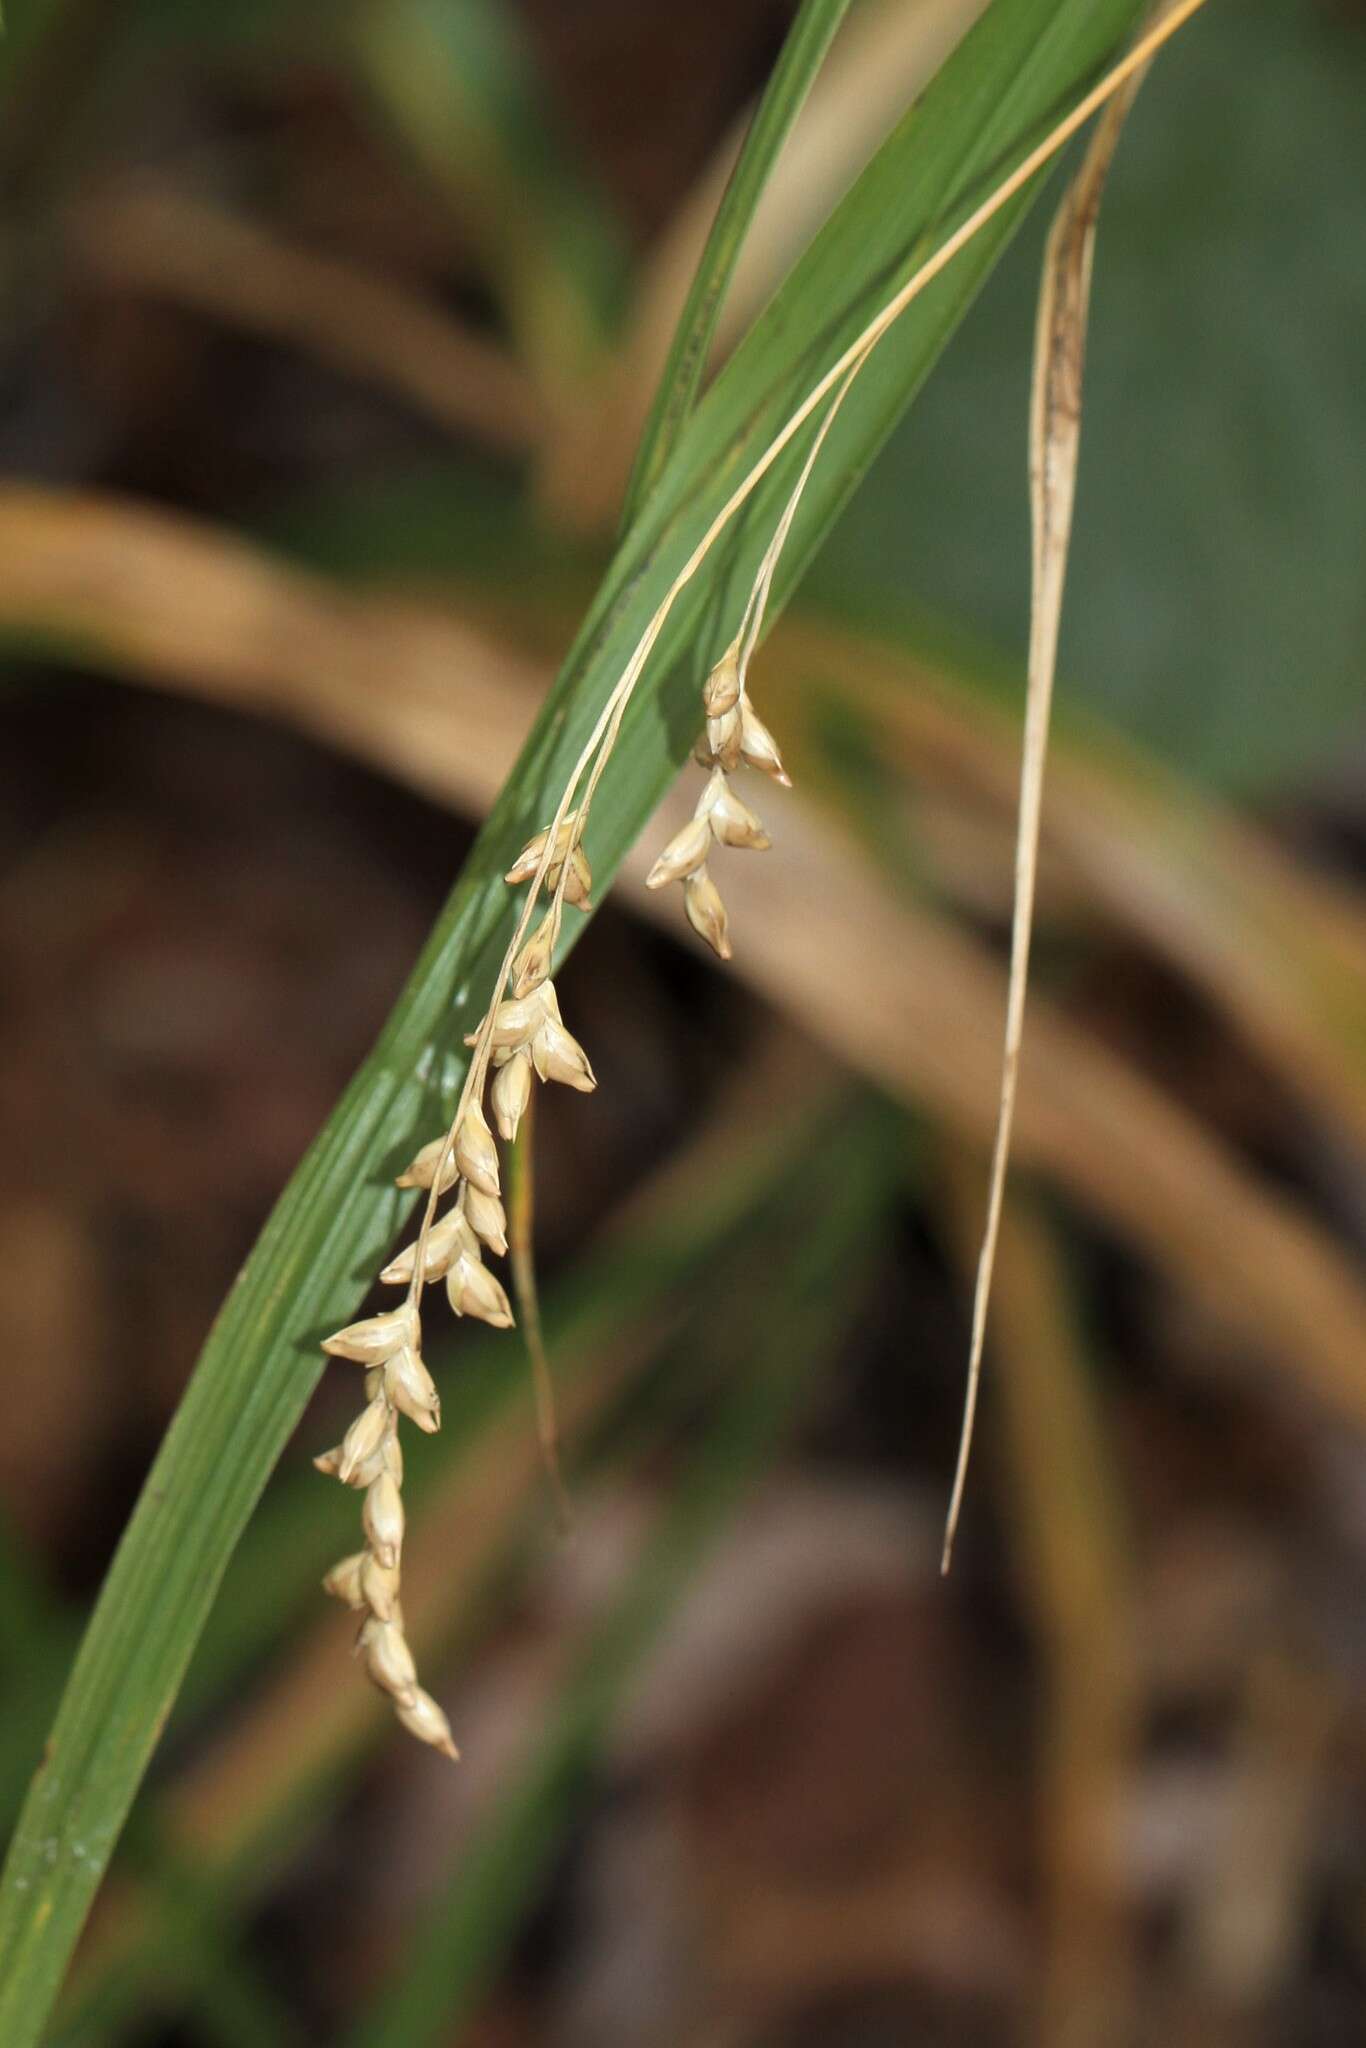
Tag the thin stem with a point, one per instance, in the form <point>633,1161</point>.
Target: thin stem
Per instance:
<point>521,1231</point>
<point>752,623</point>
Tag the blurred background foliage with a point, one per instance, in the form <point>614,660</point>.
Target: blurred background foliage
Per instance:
<point>330,333</point>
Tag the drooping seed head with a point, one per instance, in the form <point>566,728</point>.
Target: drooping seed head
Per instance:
<point>388,1658</point>
<point>488,1219</point>
<point>376,1338</point>
<point>329,1463</point>
<point>683,855</point>
<point>578,887</point>
<point>422,1171</point>
<point>758,746</point>
<point>734,823</point>
<point>382,1519</point>
<point>378,1586</point>
<point>422,1717</point>
<point>532,964</point>
<point>513,1021</point>
<point>723,740</point>
<point>558,1056</point>
<point>475,1152</point>
<point>344,1581</point>
<point>444,1241</point>
<point>411,1389</point>
<point>707,913</point>
<point>529,859</point>
<point>473,1291</point>
<point>510,1093</point>
<point>362,1440</point>
<point>721,691</point>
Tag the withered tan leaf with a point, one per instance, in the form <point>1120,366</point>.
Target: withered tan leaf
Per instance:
<point>1054,439</point>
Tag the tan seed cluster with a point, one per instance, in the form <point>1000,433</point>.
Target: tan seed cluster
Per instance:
<point>522,1036</point>
<point>369,1456</point>
<point>521,1040</point>
<point>734,734</point>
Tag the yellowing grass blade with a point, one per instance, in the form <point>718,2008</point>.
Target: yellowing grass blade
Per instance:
<point>1054,438</point>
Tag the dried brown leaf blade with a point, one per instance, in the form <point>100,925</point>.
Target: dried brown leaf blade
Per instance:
<point>1054,440</point>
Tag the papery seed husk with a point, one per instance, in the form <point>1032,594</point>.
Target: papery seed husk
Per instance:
<point>683,855</point>
<point>475,1152</point>
<point>422,1717</point>
<point>513,1022</point>
<point>378,1586</point>
<point>364,1474</point>
<point>758,746</point>
<point>362,1440</point>
<point>391,1457</point>
<point>578,888</point>
<point>716,787</point>
<point>444,1241</point>
<point>473,1291</point>
<point>488,1219</point>
<point>343,1582</point>
<point>376,1338</point>
<point>382,1518</point>
<point>721,691</point>
<point>510,1094</point>
<point>558,1056</point>
<point>707,913</point>
<point>412,1390</point>
<point>529,859</point>
<point>422,1171</point>
<point>734,823</point>
<point>388,1658</point>
<point>723,739</point>
<point>532,964</point>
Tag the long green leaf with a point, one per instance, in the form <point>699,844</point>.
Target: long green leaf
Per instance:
<point>1012,73</point>
<point>801,58</point>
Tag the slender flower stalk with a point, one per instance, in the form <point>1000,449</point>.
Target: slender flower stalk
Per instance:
<point>521,1037</point>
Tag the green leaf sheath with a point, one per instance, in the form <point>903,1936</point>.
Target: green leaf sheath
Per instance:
<point>803,53</point>
<point>1023,64</point>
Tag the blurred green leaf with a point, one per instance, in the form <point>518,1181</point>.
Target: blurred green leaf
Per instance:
<point>1001,88</point>
<point>458,82</point>
<point>803,53</point>
<point>1214,604</point>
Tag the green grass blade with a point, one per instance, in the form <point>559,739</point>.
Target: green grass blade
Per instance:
<point>801,58</point>
<point>1002,85</point>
